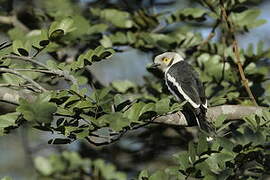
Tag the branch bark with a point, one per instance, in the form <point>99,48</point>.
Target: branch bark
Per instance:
<point>232,112</point>
<point>35,84</point>
<point>47,70</point>
<point>27,59</point>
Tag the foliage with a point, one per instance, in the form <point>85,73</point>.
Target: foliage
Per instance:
<point>6,178</point>
<point>75,167</point>
<point>242,156</point>
<point>75,38</point>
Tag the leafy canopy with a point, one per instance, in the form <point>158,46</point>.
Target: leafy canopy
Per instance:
<point>75,38</point>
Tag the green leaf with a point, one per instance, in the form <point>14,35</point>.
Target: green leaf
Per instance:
<point>6,178</point>
<point>43,165</point>
<point>177,106</point>
<point>60,28</point>
<point>100,95</point>
<point>40,110</point>
<point>116,17</point>
<point>233,95</point>
<point>80,133</point>
<point>59,8</point>
<point>65,111</point>
<point>250,119</point>
<point>225,143</point>
<point>17,34</point>
<point>134,112</point>
<point>119,99</point>
<point>116,121</point>
<point>94,55</point>
<point>108,171</point>
<point>21,48</point>
<point>39,38</point>
<point>186,14</point>
<point>183,160</point>
<point>163,106</point>
<point>216,161</point>
<point>138,110</point>
<point>159,175</point>
<point>266,114</point>
<point>7,120</point>
<point>52,64</point>
<point>219,120</point>
<point>81,25</point>
<point>145,20</point>
<point>143,175</point>
<point>202,144</point>
<point>247,19</point>
<point>123,86</point>
<point>74,159</point>
<point>260,47</point>
<point>97,28</point>
<point>117,38</point>
<point>12,79</point>
<point>192,151</point>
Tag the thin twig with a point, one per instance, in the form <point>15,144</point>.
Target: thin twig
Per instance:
<point>47,70</point>
<point>106,142</point>
<point>54,72</point>
<point>24,58</point>
<point>230,27</point>
<point>9,85</point>
<point>242,74</point>
<point>223,61</point>
<point>36,70</point>
<point>210,6</point>
<point>35,84</point>
<point>19,86</point>
<point>210,35</point>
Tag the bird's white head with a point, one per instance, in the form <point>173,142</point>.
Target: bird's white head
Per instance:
<point>167,59</point>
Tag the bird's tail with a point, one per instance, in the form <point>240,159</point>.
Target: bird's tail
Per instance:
<point>202,121</point>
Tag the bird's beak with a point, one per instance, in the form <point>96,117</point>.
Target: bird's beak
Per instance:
<point>154,65</point>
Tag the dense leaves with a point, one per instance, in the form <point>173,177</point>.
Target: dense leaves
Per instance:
<point>41,110</point>
<point>244,155</point>
<point>68,39</point>
<point>75,167</point>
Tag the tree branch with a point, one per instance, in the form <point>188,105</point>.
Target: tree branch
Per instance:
<point>47,70</point>
<point>27,59</point>
<point>53,72</point>
<point>210,35</point>
<point>8,93</point>
<point>232,112</point>
<point>35,84</point>
<point>230,26</point>
<point>241,71</point>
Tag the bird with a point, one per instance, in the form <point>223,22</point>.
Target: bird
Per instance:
<point>184,83</point>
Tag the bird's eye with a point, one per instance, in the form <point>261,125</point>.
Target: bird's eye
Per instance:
<point>165,59</point>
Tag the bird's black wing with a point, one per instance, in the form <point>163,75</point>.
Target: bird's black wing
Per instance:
<point>182,76</point>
